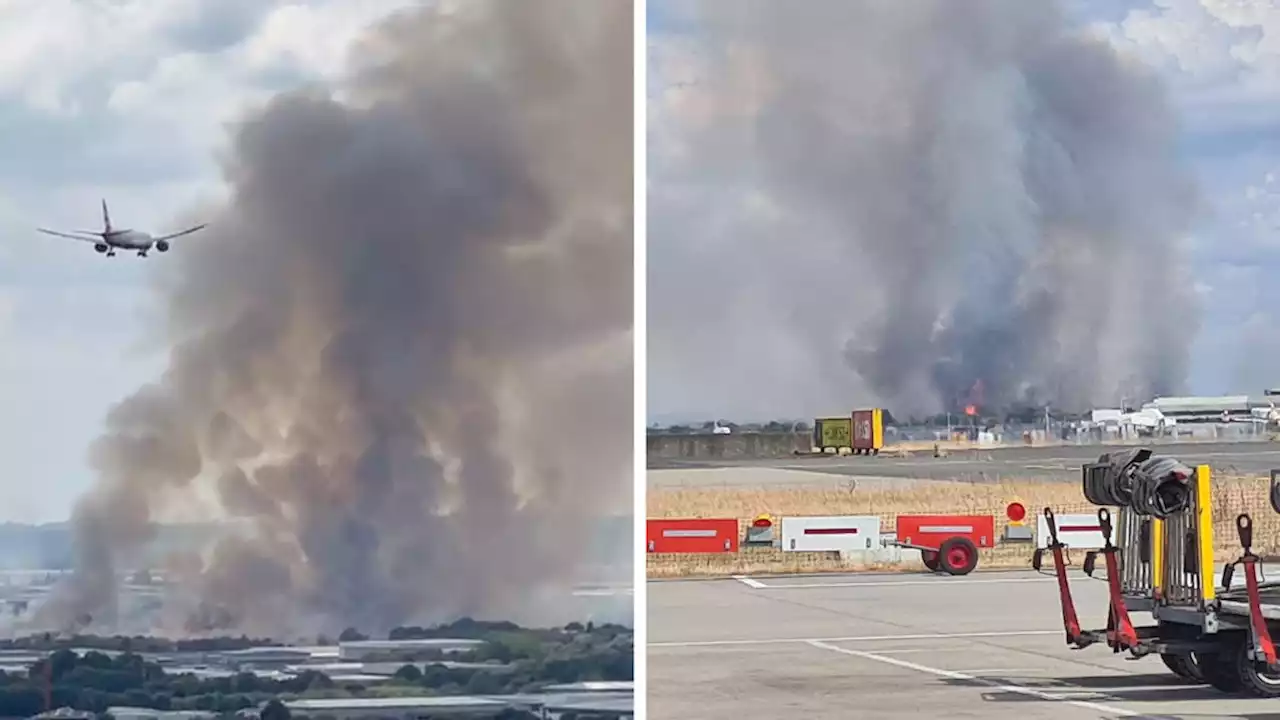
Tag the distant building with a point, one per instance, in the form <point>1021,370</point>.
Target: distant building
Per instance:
<point>385,670</point>
<point>139,713</point>
<point>399,708</point>
<point>1215,409</point>
<point>608,700</point>
<point>362,649</point>
<point>64,713</point>
<point>1106,416</point>
<point>594,686</point>
<point>261,657</point>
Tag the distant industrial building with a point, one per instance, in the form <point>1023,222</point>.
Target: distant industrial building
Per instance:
<point>139,713</point>
<point>265,656</point>
<point>384,659</point>
<point>1219,409</point>
<point>364,661</point>
<point>401,708</point>
<point>1210,416</point>
<point>617,701</point>
<point>596,699</point>
<point>362,649</point>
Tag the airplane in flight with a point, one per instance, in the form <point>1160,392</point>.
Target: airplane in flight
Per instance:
<point>110,239</point>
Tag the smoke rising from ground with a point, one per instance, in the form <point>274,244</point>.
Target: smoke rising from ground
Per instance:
<point>402,351</point>
<point>893,203</point>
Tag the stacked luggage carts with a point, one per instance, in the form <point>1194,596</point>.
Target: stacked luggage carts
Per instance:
<point>1206,628</point>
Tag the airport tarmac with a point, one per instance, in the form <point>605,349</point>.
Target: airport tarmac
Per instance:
<point>1059,462</point>
<point>988,645</point>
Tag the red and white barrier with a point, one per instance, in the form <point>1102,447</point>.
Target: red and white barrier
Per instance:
<point>1080,530</point>
<point>930,531</point>
<point>830,533</point>
<point>692,536</point>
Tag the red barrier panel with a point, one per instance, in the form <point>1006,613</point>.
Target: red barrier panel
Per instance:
<point>692,536</point>
<point>929,531</point>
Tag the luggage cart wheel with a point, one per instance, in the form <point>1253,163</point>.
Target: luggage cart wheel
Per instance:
<point>1184,666</point>
<point>1220,669</point>
<point>930,558</point>
<point>1252,679</point>
<point>958,556</point>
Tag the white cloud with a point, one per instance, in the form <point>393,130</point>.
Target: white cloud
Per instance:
<point>1221,60</point>
<point>1222,57</point>
<point>126,100</point>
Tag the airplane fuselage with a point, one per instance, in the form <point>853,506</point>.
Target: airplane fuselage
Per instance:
<point>136,240</point>
<point>129,239</point>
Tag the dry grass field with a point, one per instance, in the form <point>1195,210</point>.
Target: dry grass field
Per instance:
<point>1232,495</point>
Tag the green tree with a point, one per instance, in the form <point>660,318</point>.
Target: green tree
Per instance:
<point>20,702</point>
<point>410,673</point>
<point>483,683</point>
<point>495,650</point>
<point>352,635</point>
<point>275,710</point>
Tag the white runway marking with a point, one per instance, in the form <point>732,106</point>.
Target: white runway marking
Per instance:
<point>1003,687</point>
<point>748,581</point>
<point>892,583</point>
<point>853,638</point>
<point>1118,690</point>
<point>932,650</point>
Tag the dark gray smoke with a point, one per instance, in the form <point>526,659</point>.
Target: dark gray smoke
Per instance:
<point>402,351</point>
<point>917,204</point>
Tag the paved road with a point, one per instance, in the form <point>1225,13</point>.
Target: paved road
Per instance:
<point>987,646</point>
<point>1062,462</point>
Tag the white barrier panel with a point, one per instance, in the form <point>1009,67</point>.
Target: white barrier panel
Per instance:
<point>830,533</point>
<point>1074,531</point>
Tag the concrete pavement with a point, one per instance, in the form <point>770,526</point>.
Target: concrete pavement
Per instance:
<point>1030,463</point>
<point>988,645</point>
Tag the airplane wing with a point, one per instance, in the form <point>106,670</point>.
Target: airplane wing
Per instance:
<point>188,231</point>
<point>84,238</point>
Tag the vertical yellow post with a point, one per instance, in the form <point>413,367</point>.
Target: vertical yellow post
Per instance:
<point>1204,532</point>
<point>1157,557</point>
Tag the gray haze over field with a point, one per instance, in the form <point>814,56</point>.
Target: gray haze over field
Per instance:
<point>402,352</point>
<point>917,205</point>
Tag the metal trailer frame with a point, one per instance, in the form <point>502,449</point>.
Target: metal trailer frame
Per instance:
<point>946,548</point>
<point>931,555</point>
<point>1203,631</point>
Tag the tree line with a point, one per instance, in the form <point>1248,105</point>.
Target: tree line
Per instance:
<point>96,680</point>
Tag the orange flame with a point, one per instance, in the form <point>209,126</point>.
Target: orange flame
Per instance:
<point>970,410</point>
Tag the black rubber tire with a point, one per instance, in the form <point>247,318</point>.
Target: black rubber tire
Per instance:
<point>1219,670</point>
<point>958,556</point>
<point>930,558</point>
<point>1252,682</point>
<point>1184,666</point>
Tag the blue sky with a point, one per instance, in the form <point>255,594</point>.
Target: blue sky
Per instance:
<point>125,100</point>
<point>1221,64</point>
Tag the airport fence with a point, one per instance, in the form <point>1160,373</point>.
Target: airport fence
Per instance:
<point>739,510</point>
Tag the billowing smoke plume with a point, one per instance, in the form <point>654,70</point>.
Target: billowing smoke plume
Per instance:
<point>402,350</point>
<point>920,204</point>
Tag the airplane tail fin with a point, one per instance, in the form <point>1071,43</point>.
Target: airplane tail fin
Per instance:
<point>106,216</point>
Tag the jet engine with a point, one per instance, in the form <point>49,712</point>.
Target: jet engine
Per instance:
<point>101,247</point>
<point>162,246</point>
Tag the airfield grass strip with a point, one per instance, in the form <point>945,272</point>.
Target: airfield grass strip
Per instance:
<point>1231,494</point>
